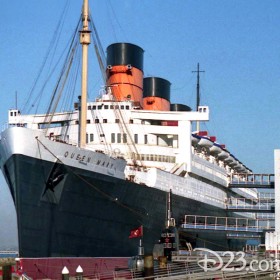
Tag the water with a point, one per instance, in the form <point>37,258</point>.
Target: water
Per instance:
<point>8,254</point>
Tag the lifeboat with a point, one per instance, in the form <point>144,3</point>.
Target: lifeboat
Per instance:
<point>215,149</point>
<point>195,139</point>
<point>243,168</point>
<point>234,161</point>
<point>205,142</point>
<point>223,154</point>
<point>239,168</point>
<point>229,160</point>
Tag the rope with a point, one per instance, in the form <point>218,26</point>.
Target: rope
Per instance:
<point>135,212</point>
<point>55,38</point>
<point>91,185</point>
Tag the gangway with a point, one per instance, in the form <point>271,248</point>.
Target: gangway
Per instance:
<point>228,224</point>
<point>244,180</point>
<point>266,196</point>
<point>265,216</point>
<point>246,236</point>
<point>263,205</point>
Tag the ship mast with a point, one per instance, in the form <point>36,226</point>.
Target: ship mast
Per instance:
<point>197,92</point>
<point>84,41</point>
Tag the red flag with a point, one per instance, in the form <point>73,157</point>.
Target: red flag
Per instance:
<point>137,232</point>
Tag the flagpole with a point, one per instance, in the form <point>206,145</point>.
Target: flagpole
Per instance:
<point>141,248</point>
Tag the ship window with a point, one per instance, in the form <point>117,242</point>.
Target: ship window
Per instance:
<point>124,138</point>
<point>86,138</point>
<point>91,137</point>
<point>119,138</point>
<point>136,138</point>
<point>104,120</point>
<point>113,140</point>
<point>94,107</point>
<point>99,107</point>
<point>88,121</point>
<point>145,139</point>
<point>11,114</point>
<point>130,121</point>
<point>117,120</point>
<point>89,107</point>
<point>96,120</point>
<point>117,107</point>
<point>122,107</point>
<point>102,135</point>
<point>127,107</point>
<point>106,107</point>
<point>111,106</point>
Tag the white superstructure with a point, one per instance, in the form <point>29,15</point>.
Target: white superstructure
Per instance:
<point>158,146</point>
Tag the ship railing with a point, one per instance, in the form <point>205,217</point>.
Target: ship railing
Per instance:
<point>224,224</point>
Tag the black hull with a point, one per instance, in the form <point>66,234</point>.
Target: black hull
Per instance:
<point>63,211</point>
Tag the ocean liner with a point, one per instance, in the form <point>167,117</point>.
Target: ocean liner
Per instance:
<point>82,179</point>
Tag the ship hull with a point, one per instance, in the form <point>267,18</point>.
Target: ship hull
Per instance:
<point>89,214</point>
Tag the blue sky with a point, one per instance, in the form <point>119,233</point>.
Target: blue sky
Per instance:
<point>236,42</point>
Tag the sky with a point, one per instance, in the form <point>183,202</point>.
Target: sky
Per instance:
<point>236,43</point>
